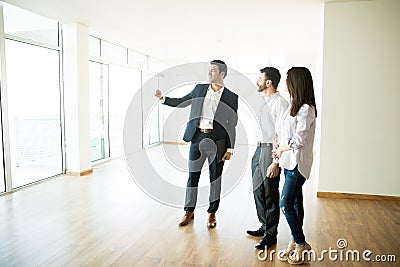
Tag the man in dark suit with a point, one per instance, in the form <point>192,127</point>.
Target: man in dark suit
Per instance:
<point>212,132</point>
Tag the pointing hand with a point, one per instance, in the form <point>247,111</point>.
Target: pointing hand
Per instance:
<point>158,93</point>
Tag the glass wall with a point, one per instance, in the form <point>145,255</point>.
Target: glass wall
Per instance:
<point>98,90</point>
<point>32,97</point>
<point>25,25</point>
<point>112,89</point>
<point>152,131</point>
<point>127,70</point>
<point>2,174</point>
<point>32,94</point>
<point>124,84</point>
<point>33,112</point>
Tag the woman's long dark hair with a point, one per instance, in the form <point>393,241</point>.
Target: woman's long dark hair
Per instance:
<point>299,83</point>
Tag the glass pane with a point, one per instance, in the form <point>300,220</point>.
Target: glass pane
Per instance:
<point>151,134</point>
<point>156,66</point>
<point>2,184</point>
<point>25,24</point>
<point>152,131</point>
<point>137,60</point>
<point>94,47</point>
<point>166,112</point>
<point>124,84</point>
<point>113,53</point>
<point>2,176</point>
<point>98,89</point>
<point>34,112</point>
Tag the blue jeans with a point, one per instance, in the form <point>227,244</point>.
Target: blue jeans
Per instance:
<point>291,203</point>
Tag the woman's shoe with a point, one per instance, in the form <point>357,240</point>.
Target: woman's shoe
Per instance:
<point>284,253</point>
<point>297,257</point>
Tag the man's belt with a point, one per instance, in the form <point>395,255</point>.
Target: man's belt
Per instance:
<point>205,130</point>
<point>264,144</point>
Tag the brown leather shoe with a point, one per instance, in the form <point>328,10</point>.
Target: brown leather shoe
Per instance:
<point>186,218</point>
<point>211,222</point>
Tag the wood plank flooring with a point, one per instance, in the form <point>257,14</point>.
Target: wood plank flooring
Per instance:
<point>104,219</point>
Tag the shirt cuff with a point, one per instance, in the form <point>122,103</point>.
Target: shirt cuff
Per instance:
<point>292,144</point>
<point>162,100</point>
<point>230,150</point>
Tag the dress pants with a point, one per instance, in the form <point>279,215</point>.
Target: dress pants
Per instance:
<point>265,190</point>
<point>202,147</point>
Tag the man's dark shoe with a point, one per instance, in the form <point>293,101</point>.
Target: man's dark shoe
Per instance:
<point>266,242</point>
<point>259,232</point>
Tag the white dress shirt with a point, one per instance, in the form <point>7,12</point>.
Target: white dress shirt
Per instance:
<point>299,133</point>
<point>210,104</point>
<point>269,112</point>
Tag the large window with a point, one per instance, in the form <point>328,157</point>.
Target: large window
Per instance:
<point>112,88</point>
<point>31,97</point>
<point>25,25</point>
<point>152,131</point>
<point>124,84</point>
<point>127,70</point>
<point>33,112</point>
<point>98,89</point>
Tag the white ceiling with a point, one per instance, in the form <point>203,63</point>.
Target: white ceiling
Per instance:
<point>192,29</point>
<point>188,30</point>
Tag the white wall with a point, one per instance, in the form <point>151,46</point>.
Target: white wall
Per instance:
<point>360,147</point>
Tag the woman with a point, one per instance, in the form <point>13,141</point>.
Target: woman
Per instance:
<point>296,138</point>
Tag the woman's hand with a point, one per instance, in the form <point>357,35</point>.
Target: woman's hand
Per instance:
<point>277,153</point>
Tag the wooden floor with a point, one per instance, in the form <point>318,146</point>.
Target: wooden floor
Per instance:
<point>104,219</point>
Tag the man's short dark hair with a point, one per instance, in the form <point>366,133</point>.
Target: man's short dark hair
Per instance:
<point>221,66</point>
<point>272,74</point>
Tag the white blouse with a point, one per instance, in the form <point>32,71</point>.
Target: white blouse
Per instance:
<point>299,133</point>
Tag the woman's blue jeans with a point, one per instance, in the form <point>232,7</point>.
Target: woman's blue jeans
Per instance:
<point>291,203</point>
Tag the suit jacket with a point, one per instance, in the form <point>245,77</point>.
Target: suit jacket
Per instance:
<point>225,118</point>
